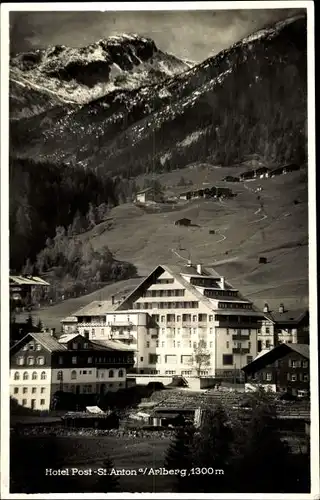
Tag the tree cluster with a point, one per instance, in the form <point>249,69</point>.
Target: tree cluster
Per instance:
<point>246,453</point>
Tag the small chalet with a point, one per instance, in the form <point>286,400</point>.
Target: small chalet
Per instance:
<point>284,368</point>
<point>148,194</point>
<point>183,222</point>
<point>24,290</point>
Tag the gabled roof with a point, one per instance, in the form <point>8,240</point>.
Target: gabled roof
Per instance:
<point>28,280</point>
<point>52,344</point>
<point>289,317</point>
<point>271,355</point>
<point>177,273</point>
<point>146,190</point>
<point>47,341</point>
<point>65,338</point>
<point>95,308</point>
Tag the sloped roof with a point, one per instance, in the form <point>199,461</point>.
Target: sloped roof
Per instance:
<point>177,271</point>
<point>28,280</point>
<point>95,308</point>
<point>289,317</point>
<point>112,345</point>
<point>45,339</point>
<point>63,339</point>
<point>271,355</point>
<point>69,319</point>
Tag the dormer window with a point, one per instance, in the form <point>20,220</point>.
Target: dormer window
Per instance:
<point>75,345</point>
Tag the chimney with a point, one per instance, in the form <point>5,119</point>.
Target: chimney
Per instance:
<point>281,308</point>
<point>199,269</point>
<point>52,332</point>
<point>222,282</point>
<point>189,263</point>
<point>266,308</point>
<point>112,299</point>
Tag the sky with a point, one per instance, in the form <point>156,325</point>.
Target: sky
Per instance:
<point>193,35</point>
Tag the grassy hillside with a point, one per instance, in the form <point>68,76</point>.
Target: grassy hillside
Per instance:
<point>246,228</point>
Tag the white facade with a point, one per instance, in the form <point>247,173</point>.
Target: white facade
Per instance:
<point>31,387</point>
<point>167,317</point>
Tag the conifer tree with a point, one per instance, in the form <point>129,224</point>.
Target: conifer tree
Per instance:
<point>213,449</point>
<point>107,483</point>
<point>179,457</point>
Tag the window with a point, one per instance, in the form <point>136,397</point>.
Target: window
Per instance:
<point>111,374</point>
<point>17,376</point>
<point>16,390</point>
<point>157,343</point>
<point>102,331</point>
<point>178,344</point>
<point>267,344</point>
<point>293,377</point>
<point>25,390</point>
<point>249,359</point>
<point>228,345</point>
<point>43,390</point>
<point>89,360</point>
<point>86,345</point>
<point>34,390</point>
<point>42,402</point>
<point>31,347</point>
<point>211,330</point>
<point>162,344</point>
<point>210,318</point>
<point>305,364</point>
<point>141,359</point>
<point>227,359</point>
<point>38,347</point>
<point>59,375</point>
<point>75,345</point>
<point>25,376</point>
<point>60,360</point>
<point>267,329</point>
<point>305,377</point>
<point>30,360</point>
<point>249,346</point>
<point>43,376</point>
<point>269,376</point>
<point>120,374</point>
<point>24,402</point>
<point>148,344</point>
<point>90,372</point>
<point>74,360</point>
<point>40,360</point>
<point>73,375</point>
<point>211,344</point>
<point>84,372</point>
<point>194,318</point>
<point>34,376</point>
<point>163,319</point>
<point>178,318</point>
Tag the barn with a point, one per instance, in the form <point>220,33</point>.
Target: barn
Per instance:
<point>182,222</point>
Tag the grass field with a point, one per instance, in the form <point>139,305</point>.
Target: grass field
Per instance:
<point>275,226</point>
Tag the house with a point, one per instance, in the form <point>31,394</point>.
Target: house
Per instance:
<point>41,365</point>
<point>183,222</point>
<point>277,171</point>
<point>148,194</point>
<point>26,290</point>
<point>249,174</point>
<point>292,167</point>
<point>283,326</point>
<point>167,315</point>
<point>284,368</point>
<point>261,172</point>
<point>230,178</point>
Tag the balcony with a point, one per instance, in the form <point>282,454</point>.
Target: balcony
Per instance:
<point>240,350</point>
<point>239,337</point>
<point>155,335</point>
<point>236,324</point>
<point>92,324</point>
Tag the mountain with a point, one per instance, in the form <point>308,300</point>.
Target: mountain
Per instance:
<point>79,75</point>
<point>249,99</point>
